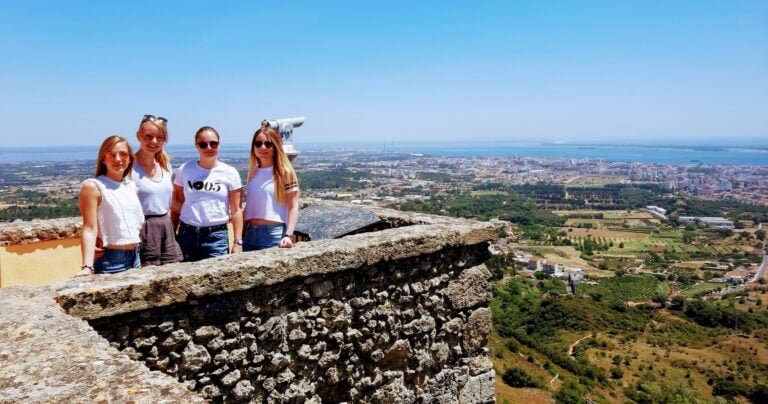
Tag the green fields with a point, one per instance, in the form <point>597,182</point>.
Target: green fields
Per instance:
<point>627,288</point>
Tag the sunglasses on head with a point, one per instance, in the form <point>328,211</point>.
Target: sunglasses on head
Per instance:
<point>154,119</point>
<point>257,144</point>
<point>204,145</point>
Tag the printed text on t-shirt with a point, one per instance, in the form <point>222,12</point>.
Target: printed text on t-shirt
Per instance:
<point>204,186</point>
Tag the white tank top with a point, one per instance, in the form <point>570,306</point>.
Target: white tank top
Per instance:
<point>155,196</point>
<point>120,215</point>
<point>261,200</point>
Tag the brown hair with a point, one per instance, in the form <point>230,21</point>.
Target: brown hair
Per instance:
<point>106,147</point>
<point>282,170</point>
<point>207,129</point>
<point>161,157</point>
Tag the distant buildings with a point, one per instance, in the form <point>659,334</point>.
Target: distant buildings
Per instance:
<point>715,222</point>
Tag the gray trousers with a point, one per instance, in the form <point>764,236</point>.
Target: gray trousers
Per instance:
<point>158,241</point>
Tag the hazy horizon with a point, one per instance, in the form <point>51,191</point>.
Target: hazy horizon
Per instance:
<point>688,72</point>
<point>301,142</point>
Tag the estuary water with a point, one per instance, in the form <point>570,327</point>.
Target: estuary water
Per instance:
<point>757,156</point>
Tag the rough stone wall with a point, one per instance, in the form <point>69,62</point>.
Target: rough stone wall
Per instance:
<point>405,330</point>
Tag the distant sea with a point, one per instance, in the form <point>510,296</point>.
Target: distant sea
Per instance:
<point>757,156</point>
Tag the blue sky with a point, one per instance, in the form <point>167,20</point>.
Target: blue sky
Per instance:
<point>613,71</point>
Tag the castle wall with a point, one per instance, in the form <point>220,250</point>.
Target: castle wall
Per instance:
<point>401,315</point>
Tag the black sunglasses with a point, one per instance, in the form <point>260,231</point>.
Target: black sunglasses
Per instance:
<point>204,145</point>
<point>257,144</point>
<point>154,118</point>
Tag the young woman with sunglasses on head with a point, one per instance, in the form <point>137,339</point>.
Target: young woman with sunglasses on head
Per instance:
<point>152,174</point>
<point>111,212</point>
<point>272,194</point>
<point>206,195</point>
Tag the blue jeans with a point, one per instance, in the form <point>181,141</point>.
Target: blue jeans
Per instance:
<point>261,236</point>
<point>202,242</point>
<point>114,261</point>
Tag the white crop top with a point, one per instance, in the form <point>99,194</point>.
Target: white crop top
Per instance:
<point>119,213</point>
<point>155,196</point>
<point>261,200</point>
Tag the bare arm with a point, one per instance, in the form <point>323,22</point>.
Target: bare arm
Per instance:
<point>236,214</point>
<point>176,202</point>
<point>88,201</point>
<point>293,218</point>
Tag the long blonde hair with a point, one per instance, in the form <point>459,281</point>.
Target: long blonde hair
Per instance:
<point>106,146</point>
<point>161,157</point>
<point>282,171</point>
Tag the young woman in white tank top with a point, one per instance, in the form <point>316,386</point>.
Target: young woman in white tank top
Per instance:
<point>111,212</point>
<point>272,194</point>
<point>152,174</point>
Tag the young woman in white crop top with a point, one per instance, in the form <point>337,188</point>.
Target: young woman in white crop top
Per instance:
<point>111,212</point>
<point>272,194</point>
<point>152,174</point>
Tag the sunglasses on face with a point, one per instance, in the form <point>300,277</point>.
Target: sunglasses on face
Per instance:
<point>204,145</point>
<point>154,119</point>
<point>257,144</point>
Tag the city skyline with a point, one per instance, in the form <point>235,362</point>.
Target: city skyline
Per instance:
<point>593,72</point>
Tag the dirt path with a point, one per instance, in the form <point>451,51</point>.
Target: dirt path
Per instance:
<point>570,350</point>
<point>557,375</point>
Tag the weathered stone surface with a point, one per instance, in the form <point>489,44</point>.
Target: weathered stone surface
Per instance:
<point>39,230</point>
<point>477,330</point>
<point>47,356</point>
<point>479,389</point>
<point>100,296</point>
<point>444,387</point>
<point>231,378</point>
<point>398,354</point>
<point>479,364</point>
<point>472,288</point>
<point>394,392</point>
<point>207,333</point>
<point>243,390</point>
<point>194,357</point>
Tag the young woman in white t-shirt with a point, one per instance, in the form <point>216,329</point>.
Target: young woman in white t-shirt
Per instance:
<point>272,194</point>
<point>111,212</point>
<point>206,195</point>
<point>152,174</point>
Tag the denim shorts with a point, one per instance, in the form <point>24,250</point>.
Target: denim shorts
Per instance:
<point>114,261</point>
<point>203,242</point>
<point>261,236</point>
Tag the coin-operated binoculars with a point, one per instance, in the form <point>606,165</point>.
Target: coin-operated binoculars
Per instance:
<point>285,126</point>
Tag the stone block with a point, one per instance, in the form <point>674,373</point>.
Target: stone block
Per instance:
<point>477,330</point>
<point>471,288</point>
<point>479,389</point>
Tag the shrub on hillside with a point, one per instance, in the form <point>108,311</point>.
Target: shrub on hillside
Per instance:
<point>517,377</point>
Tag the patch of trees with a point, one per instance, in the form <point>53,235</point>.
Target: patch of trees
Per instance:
<point>711,314</point>
<point>510,207</point>
<point>691,206</point>
<point>62,208</point>
<point>730,389</point>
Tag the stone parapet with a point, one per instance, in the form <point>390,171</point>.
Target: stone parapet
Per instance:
<point>36,231</point>
<point>400,314</point>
